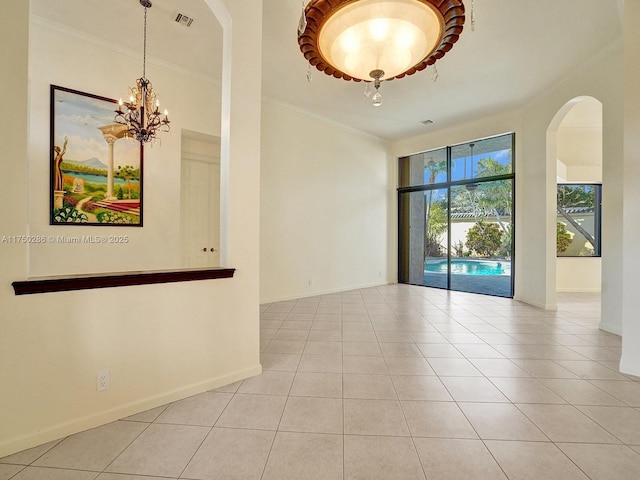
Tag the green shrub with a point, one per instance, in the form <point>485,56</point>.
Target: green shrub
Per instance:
<point>505,248</point>
<point>485,239</point>
<point>563,238</point>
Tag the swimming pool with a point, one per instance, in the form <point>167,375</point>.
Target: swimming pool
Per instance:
<point>469,267</point>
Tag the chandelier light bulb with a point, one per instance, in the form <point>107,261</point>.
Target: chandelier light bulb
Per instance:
<point>376,99</point>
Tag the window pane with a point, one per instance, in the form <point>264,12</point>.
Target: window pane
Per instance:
<point>423,237</point>
<point>482,158</point>
<point>578,221</point>
<point>481,238</point>
<point>424,168</point>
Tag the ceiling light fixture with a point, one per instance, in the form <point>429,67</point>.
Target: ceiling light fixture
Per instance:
<point>471,187</point>
<point>366,40</point>
<point>141,114</point>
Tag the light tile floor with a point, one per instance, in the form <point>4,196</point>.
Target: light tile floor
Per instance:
<point>391,383</point>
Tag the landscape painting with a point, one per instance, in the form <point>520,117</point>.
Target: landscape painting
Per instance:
<point>96,167</point>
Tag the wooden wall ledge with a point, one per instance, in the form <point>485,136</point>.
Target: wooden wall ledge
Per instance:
<point>85,282</point>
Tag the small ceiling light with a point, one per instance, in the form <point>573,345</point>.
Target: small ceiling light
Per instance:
<point>377,75</point>
<point>141,114</point>
<point>352,39</point>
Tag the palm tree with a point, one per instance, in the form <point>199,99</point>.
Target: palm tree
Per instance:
<point>434,167</point>
<point>495,198</point>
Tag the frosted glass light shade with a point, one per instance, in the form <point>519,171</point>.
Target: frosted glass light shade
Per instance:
<point>390,35</point>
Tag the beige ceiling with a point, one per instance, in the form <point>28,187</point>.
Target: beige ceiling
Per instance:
<point>518,49</point>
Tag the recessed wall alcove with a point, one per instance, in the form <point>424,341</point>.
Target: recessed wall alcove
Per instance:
<point>186,68</point>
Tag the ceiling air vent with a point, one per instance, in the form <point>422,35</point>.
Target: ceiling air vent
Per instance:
<point>184,20</point>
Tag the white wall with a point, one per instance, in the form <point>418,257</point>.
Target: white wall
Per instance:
<point>160,342</point>
<point>599,78</point>
<point>562,172</point>
<point>630,362</point>
<point>580,150</point>
<point>578,274</point>
<point>327,207</point>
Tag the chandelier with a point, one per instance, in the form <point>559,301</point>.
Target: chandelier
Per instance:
<point>372,40</point>
<point>141,114</point>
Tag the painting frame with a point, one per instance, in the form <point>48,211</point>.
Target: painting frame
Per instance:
<point>96,167</point>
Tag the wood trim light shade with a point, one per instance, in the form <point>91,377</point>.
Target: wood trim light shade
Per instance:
<point>358,39</point>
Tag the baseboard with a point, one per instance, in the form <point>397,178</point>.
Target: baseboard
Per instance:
<point>579,290</point>
<point>610,328</point>
<point>317,293</point>
<point>629,367</point>
<point>543,306</point>
<point>91,421</point>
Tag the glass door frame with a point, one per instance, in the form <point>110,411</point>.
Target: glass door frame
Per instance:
<point>448,184</point>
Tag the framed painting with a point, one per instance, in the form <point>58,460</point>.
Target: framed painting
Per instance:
<point>96,168</point>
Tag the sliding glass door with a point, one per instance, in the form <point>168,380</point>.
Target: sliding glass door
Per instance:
<point>456,217</point>
<point>424,216</point>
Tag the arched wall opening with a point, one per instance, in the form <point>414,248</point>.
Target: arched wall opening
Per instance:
<point>574,140</point>
<point>66,51</point>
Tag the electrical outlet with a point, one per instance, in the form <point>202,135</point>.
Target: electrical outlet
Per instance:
<point>103,380</point>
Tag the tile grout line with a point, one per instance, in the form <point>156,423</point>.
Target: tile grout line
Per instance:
<point>404,416</point>
<point>273,441</point>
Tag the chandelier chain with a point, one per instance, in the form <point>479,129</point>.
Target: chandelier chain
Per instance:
<point>144,46</point>
<point>473,16</point>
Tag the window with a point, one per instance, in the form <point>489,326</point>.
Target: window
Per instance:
<point>456,217</point>
<point>578,224</point>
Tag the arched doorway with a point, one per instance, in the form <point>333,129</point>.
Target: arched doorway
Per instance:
<point>574,140</point>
